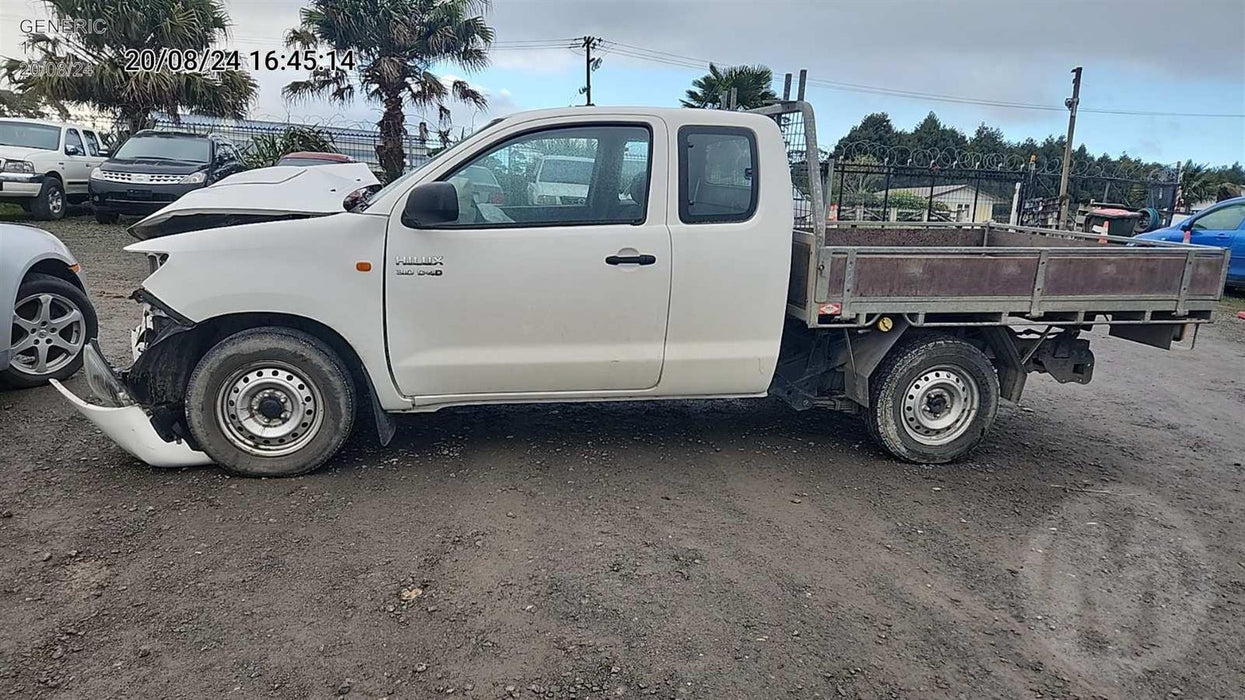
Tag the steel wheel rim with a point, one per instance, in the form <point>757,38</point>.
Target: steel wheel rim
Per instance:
<point>940,405</point>
<point>56,201</point>
<point>246,409</point>
<point>48,334</point>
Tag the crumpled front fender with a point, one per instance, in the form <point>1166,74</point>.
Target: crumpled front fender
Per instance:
<point>130,427</point>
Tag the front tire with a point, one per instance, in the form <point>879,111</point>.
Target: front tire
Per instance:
<point>932,400</point>
<point>50,203</point>
<point>52,322</point>
<point>273,402</point>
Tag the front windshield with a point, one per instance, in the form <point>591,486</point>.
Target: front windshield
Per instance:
<point>566,172</point>
<point>152,147</point>
<point>26,135</point>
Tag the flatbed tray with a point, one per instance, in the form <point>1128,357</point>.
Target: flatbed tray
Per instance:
<point>957,274</point>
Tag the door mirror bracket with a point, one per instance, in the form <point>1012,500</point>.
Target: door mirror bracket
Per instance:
<point>430,204</point>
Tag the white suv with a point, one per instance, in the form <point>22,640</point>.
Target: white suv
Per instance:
<point>45,165</point>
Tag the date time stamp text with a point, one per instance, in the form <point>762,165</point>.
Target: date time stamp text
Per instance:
<point>221,60</point>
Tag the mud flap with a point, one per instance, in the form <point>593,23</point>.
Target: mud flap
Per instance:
<point>865,353</point>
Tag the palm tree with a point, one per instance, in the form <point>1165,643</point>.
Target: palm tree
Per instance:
<point>753,86</point>
<point>1197,183</point>
<point>85,64</point>
<point>395,43</point>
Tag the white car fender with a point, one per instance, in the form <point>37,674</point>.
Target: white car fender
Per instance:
<point>308,268</point>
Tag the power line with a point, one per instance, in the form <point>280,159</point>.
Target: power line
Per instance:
<point>681,61</point>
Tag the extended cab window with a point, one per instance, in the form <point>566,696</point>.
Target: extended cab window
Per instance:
<point>557,177</point>
<point>717,174</point>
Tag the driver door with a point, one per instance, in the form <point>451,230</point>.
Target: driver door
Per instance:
<point>1222,227</point>
<point>514,297</point>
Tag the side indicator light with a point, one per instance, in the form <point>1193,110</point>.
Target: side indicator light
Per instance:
<point>75,268</point>
<point>363,266</point>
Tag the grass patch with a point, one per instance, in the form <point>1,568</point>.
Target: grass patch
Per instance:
<point>1233,300</point>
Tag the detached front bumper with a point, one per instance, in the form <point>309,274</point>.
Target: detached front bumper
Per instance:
<point>125,422</point>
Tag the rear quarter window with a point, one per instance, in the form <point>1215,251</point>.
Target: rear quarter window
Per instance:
<point>718,176</point>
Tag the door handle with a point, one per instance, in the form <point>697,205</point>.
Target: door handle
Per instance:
<point>631,260</point>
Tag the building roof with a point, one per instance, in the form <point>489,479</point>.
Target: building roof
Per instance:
<point>939,191</point>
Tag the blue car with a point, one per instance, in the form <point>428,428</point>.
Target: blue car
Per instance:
<point>1222,226</point>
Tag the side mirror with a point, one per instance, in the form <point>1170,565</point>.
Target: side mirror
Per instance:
<point>72,150</point>
<point>1186,225</point>
<point>430,204</point>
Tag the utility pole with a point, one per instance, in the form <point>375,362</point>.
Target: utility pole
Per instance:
<point>589,43</point>
<point>1071,103</point>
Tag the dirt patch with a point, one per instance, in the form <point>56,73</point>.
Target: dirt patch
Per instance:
<point>680,550</point>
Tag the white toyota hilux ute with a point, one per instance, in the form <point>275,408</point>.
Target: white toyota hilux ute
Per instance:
<point>283,302</point>
<point>424,298</point>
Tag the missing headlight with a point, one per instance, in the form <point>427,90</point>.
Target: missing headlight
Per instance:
<point>155,260</point>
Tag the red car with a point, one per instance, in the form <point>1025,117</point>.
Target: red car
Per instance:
<point>305,158</point>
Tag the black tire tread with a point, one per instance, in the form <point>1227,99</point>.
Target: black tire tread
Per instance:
<point>884,378</point>
<point>234,461</point>
<point>39,207</point>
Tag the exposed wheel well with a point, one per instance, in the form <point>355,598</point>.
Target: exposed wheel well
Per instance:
<point>159,378</point>
<point>212,331</point>
<point>55,175</point>
<point>55,268</point>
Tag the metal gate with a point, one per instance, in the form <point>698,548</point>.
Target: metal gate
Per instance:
<point>863,191</point>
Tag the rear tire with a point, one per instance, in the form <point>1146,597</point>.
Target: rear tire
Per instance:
<point>273,402</point>
<point>50,203</point>
<point>932,400</point>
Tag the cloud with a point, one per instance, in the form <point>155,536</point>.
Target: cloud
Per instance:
<point>1013,50</point>
<point>535,60</point>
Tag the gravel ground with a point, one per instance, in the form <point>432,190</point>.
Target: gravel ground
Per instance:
<point>1094,547</point>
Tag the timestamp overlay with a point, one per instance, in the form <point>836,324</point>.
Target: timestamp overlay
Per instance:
<point>220,60</point>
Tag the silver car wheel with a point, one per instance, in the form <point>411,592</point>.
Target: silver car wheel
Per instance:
<point>940,405</point>
<point>56,202</point>
<point>269,409</point>
<point>49,332</point>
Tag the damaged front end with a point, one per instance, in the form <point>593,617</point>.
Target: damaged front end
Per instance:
<point>141,409</point>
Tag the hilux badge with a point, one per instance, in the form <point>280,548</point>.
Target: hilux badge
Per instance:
<point>421,260</point>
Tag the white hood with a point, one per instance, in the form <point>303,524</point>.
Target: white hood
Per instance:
<point>281,191</point>
<point>24,153</point>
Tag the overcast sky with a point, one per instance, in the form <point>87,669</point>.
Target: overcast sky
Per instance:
<point>1138,55</point>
